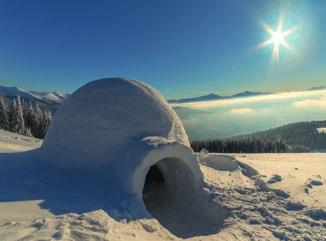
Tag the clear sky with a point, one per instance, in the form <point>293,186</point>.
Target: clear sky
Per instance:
<point>181,47</point>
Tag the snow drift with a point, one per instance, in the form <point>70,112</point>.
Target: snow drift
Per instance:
<point>123,128</point>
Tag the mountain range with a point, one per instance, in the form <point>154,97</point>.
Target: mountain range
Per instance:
<point>213,96</point>
<point>54,99</point>
<point>51,97</point>
<point>45,100</point>
<point>318,88</point>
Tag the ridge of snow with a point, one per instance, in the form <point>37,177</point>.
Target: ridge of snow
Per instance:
<point>54,97</point>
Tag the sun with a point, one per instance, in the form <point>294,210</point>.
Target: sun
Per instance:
<point>277,38</point>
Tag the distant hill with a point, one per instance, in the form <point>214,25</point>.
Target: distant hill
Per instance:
<point>318,88</point>
<point>301,135</point>
<point>213,96</point>
<point>196,99</point>
<point>248,93</point>
<point>46,100</point>
<point>51,97</point>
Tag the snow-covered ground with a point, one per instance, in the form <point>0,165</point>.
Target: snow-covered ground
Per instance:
<point>253,197</point>
<point>12,142</point>
<point>321,130</point>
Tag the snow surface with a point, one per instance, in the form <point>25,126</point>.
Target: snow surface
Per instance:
<point>13,142</point>
<point>321,130</point>
<point>296,174</point>
<point>35,208</point>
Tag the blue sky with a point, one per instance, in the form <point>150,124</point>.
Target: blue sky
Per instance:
<point>182,48</point>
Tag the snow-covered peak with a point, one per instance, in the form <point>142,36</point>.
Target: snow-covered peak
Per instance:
<point>52,97</point>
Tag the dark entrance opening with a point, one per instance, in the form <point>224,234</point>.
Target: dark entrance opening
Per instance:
<point>185,214</point>
<point>154,175</point>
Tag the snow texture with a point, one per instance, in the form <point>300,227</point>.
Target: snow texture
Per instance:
<point>124,127</point>
<point>39,202</point>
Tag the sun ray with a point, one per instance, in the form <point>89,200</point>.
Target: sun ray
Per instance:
<point>264,44</point>
<point>276,53</point>
<point>279,25</point>
<point>266,27</point>
<point>286,45</point>
<point>291,30</point>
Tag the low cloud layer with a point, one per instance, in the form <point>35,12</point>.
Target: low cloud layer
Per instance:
<point>230,117</point>
<point>241,111</point>
<point>297,95</point>
<point>311,103</point>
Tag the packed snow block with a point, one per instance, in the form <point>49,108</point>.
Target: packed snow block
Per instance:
<point>124,127</point>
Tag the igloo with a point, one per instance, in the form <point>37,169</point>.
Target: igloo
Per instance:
<point>125,129</point>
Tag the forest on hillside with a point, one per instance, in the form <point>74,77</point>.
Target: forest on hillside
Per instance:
<point>25,119</point>
<point>295,137</point>
<point>242,146</point>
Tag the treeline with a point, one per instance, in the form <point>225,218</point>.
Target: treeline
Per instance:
<point>295,137</point>
<point>16,116</point>
<point>301,136</point>
<point>242,146</point>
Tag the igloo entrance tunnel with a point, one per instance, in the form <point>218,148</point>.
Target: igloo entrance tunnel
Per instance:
<point>127,130</point>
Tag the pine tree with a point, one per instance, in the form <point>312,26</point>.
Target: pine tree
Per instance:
<point>28,132</point>
<point>17,122</point>
<point>37,122</point>
<point>12,115</point>
<point>45,122</point>
<point>4,119</point>
<point>30,118</point>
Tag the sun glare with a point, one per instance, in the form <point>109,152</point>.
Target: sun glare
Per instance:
<point>277,38</point>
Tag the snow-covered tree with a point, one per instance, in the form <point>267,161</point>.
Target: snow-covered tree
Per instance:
<point>28,132</point>
<point>30,120</point>
<point>12,115</point>
<point>30,116</point>
<point>38,119</point>
<point>4,119</point>
<point>47,116</point>
<point>17,121</point>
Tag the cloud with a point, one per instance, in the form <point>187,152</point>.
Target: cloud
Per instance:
<point>311,103</point>
<point>241,111</point>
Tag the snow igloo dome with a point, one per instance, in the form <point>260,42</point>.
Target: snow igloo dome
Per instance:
<point>126,129</point>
